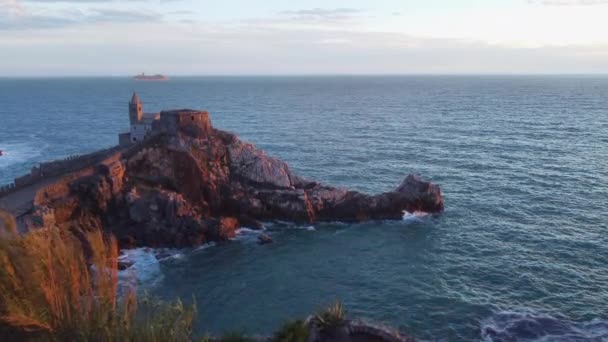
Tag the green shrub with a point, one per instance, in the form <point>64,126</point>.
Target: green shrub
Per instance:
<point>295,331</point>
<point>235,337</point>
<point>332,317</point>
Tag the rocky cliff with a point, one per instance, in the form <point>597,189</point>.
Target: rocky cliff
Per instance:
<point>198,184</point>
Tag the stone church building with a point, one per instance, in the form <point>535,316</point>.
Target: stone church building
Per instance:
<point>144,125</point>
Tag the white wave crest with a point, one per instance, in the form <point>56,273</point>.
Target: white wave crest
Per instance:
<point>532,326</point>
<point>416,216</point>
<point>205,246</point>
<point>145,268</point>
<point>248,235</point>
<point>14,153</point>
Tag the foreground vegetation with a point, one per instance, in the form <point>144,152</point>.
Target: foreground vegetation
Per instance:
<point>58,285</point>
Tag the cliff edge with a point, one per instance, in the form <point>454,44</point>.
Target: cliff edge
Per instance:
<point>192,183</point>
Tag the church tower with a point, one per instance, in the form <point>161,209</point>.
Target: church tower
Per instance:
<point>136,110</point>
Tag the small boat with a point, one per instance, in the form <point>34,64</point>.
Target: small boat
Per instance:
<point>0,153</point>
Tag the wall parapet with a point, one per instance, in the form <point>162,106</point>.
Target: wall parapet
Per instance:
<point>47,170</point>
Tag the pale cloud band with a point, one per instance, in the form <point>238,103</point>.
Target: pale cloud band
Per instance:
<point>107,37</point>
<point>569,2</point>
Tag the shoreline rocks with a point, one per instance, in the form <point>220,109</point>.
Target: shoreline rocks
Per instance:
<point>264,239</point>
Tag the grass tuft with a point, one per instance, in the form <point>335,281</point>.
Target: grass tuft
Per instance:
<point>295,331</point>
<point>53,291</point>
<point>235,337</point>
<point>8,227</point>
<point>332,317</point>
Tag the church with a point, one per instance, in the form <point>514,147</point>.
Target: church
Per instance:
<point>144,125</point>
<point>140,122</point>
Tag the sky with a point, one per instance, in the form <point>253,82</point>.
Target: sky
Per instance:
<point>273,37</point>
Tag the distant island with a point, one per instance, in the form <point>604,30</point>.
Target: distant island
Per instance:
<point>144,77</point>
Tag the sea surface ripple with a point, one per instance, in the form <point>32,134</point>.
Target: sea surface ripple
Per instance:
<point>519,254</point>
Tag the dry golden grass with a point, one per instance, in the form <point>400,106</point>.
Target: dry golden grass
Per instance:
<point>8,227</point>
<point>53,291</point>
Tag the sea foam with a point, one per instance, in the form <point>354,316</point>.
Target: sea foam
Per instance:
<point>531,326</point>
<point>145,268</point>
<point>416,216</point>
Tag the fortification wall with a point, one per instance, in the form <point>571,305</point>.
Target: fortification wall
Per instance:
<point>192,122</point>
<point>56,168</point>
<point>59,188</point>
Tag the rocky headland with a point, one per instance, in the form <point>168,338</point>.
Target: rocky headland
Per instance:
<point>192,184</point>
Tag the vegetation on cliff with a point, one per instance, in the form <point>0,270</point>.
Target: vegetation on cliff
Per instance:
<point>59,287</point>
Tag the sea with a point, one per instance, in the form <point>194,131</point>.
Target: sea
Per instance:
<point>520,253</point>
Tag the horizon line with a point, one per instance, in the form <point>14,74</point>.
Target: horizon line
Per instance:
<point>303,75</point>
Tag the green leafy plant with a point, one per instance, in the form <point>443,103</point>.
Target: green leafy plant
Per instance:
<point>334,316</point>
<point>235,337</point>
<point>295,331</point>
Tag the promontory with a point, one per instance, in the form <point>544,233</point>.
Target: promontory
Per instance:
<point>176,181</point>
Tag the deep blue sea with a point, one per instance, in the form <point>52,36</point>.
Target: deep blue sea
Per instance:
<point>521,252</point>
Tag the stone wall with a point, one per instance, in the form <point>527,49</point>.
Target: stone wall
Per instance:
<point>124,138</point>
<point>192,122</point>
<point>56,168</point>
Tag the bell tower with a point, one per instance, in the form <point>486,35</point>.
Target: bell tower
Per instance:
<point>136,110</point>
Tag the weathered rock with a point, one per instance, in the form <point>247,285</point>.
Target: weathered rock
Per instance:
<point>354,330</point>
<point>223,229</point>
<point>252,166</point>
<point>192,184</point>
<point>264,239</point>
<point>123,264</point>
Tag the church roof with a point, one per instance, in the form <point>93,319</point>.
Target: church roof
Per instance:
<point>135,98</point>
<point>148,118</point>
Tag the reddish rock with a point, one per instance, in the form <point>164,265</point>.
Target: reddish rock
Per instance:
<point>188,186</point>
<point>264,239</point>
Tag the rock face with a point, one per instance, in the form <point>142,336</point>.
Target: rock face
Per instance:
<point>193,184</point>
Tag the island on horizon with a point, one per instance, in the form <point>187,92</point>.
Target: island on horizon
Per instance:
<point>156,77</point>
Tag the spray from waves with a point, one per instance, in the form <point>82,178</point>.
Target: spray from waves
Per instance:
<point>248,235</point>
<point>14,153</point>
<point>145,266</point>
<point>416,216</point>
<point>531,326</point>
<point>205,246</point>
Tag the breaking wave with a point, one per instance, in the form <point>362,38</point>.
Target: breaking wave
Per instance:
<point>416,216</point>
<point>144,269</point>
<point>15,153</point>
<point>532,326</point>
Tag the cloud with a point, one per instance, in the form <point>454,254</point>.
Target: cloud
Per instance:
<point>120,16</point>
<point>568,2</point>
<point>32,20</point>
<point>85,1</point>
<point>321,14</point>
<point>219,49</point>
<point>11,8</point>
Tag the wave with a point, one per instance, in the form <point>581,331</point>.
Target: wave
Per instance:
<point>145,266</point>
<point>278,225</point>
<point>205,246</point>
<point>531,326</point>
<point>15,153</point>
<point>416,216</point>
<point>248,234</point>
